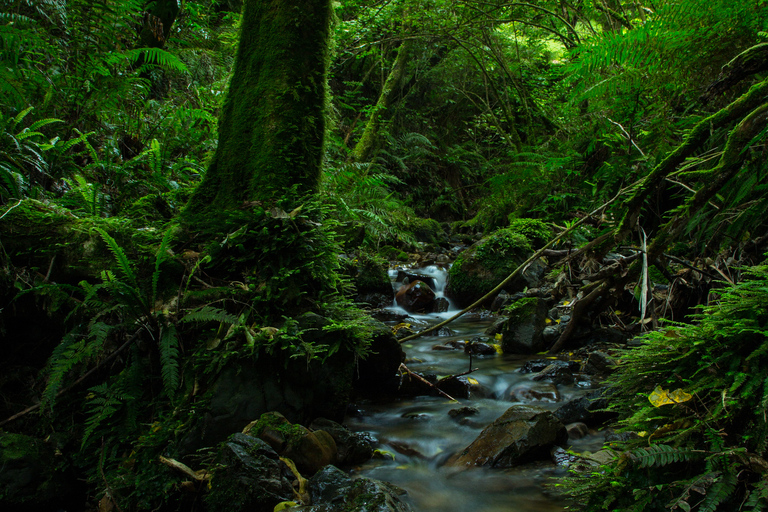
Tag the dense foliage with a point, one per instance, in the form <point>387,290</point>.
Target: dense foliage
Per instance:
<point>704,448</point>
<point>484,115</point>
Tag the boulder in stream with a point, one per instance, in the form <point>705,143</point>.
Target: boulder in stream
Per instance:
<point>332,490</point>
<point>483,266</point>
<point>523,433</point>
<point>522,333</point>
<point>415,296</point>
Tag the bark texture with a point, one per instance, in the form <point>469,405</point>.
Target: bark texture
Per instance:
<point>272,125</point>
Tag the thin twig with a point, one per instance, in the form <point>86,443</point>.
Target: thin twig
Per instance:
<point>418,377</point>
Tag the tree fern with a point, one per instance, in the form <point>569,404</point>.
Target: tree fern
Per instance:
<point>155,57</point>
<point>209,314</point>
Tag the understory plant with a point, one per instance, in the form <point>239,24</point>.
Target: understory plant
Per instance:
<point>692,402</point>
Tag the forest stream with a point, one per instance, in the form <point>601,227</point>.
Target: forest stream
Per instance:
<point>416,435</point>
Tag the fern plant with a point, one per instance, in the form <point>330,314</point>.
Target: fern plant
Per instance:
<point>703,454</point>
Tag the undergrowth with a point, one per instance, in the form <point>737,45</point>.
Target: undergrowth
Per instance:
<point>705,448</point>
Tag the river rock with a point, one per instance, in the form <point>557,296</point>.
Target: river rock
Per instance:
<point>332,490</point>
<point>483,266</point>
<point>522,333</point>
<point>372,282</point>
<point>310,451</point>
<point>532,392</point>
<point>353,447</point>
<point>523,433</point>
<point>416,296</point>
<point>440,305</point>
<point>599,363</point>
<point>250,477</point>
<point>586,409</point>
<point>377,374</point>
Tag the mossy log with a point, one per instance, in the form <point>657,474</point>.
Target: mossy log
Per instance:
<point>698,135</point>
<point>272,125</point>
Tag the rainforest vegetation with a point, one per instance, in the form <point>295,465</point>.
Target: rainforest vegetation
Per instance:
<point>195,191</point>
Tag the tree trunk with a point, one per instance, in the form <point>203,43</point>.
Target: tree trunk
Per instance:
<point>272,125</point>
<point>369,141</point>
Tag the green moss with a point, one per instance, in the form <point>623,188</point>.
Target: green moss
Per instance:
<point>272,128</point>
<point>392,254</point>
<point>521,310</point>
<point>371,274</point>
<point>484,265</point>
<point>536,231</point>
<point>426,230</point>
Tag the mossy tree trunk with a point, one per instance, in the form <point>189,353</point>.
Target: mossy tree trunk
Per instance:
<point>272,125</point>
<point>370,140</point>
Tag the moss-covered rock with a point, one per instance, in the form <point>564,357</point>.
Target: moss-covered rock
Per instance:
<point>374,287</point>
<point>310,451</point>
<point>536,231</point>
<point>485,264</point>
<point>522,332</point>
<point>393,254</point>
<point>426,230</point>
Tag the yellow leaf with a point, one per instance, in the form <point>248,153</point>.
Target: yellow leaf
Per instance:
<point>284,505</point>
<point>643,433</point>
<point>472,381</point>
<point>498,349</point>
<point>383,454</point>
<point>498,336</point>
<point>661,397</point>
<point>547,321</point>
<point>567,303</point>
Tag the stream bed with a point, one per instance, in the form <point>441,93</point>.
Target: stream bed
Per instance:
<point>417,435</point>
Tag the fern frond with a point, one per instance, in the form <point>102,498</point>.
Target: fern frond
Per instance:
<point>122,260</point>
<point>663,455</point>
<point>209,314</point>
<point>158,57</point>
<point>169,359</point>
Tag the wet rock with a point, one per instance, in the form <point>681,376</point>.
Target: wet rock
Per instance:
<point>353,447</point>
<point>405,277</point>
<point>501,301</point>
<point>539,365</point>
<point>457,387</point>
<point>416,296</point>
<point>586,409</point>
<point>443,347</point>
<point>444,331</point>
<point>463,412</point>
<point>529,392</point>
<point>310,451</point>
<point>377,374</point>
<point>599,363</point>
<point>522,334</point>
<point>440,305</point>
<point>332,490</point>
<point>29,479</point>
<point>523,433</point>
<point>478,346</point>
<point>619,437</point>
<point>577,430</point>
<point>250,477</point>
<point>559,372</point>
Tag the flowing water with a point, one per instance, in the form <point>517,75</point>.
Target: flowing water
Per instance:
<point>417,435</point>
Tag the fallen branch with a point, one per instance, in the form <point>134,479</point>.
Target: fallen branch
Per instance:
<point>418,377</point>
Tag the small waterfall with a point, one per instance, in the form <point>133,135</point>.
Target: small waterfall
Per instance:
<point>436,276</point>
